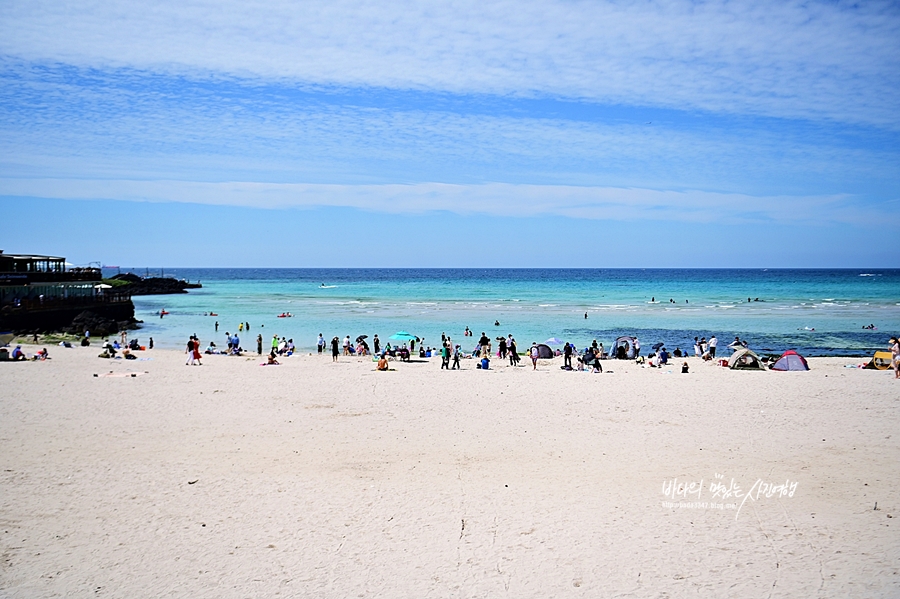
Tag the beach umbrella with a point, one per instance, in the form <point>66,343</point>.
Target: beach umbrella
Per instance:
<point>553,341</point>
<point>402,336</point>
<point>361,337</point>
<point>656,346</point>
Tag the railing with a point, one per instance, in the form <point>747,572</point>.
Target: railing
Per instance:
<point>61,303</point>
<point>81,274</point>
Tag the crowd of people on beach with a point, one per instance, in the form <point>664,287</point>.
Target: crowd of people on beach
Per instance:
<point>484,351</point>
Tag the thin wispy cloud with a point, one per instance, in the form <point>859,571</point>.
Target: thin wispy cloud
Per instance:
<point>810,60</point>
<point>495,199</point>
<point>108,125</point>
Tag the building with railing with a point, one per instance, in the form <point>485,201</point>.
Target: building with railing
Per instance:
<point>43,291</point>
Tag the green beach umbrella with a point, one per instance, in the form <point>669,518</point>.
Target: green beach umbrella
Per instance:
<point>402,336</point>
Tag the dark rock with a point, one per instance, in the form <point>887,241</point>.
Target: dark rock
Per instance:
<point>154,285</point>
<point>99,326</point>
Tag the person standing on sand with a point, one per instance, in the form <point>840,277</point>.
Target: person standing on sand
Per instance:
<point>190,352</point>
<point>445,357</point>
<point>637,348</point>
<point>197,351</point>
<point>895,356</point>
<point>377,343</point>
<point>455,359</point>
<point>567,352</point>
<point>259,344</point>
<point>713,342</point>
<point>535,353</point>
<point>275,343</point>
<point>320,343</point>
<point>335,342</point>
<point>513,354</point>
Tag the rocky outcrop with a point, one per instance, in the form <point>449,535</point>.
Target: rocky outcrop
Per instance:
<point>153,285</point>
<point>99,319</point>
<point>98,324</point>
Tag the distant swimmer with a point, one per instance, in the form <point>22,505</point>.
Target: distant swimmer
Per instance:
<point>585,315</point>
<point>496,323</point>
<point>653,300</point>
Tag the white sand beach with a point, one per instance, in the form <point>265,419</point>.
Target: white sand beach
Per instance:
<point>314,479</point>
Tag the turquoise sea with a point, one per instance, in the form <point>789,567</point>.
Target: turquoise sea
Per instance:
<point>817,312</point>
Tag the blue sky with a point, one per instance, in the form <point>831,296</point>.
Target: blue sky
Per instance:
<point>650,134</point>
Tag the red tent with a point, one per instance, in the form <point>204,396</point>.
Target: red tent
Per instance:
<point>790,360</point>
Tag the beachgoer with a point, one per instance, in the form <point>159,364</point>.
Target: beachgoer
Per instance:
<point>235,344</point>
<point>467,332</point>
<point>17,354</point>
<point>567,352</point>
<point>713,342</point>
<point>895,356</point>
<point>197,351</point>
<point>335,342</point>
<point>697,347</point>
<point>445,357</point>
<point>637,347</point>
<point>534,352</point>
<point>259,344</point>
<point>346,345</point>
<point>502,348</point>
<point>376,342</point>
<point>684,368</point>
<point>382,363</point>
<point>217,326</point>
<point>272,359</point>
<point>151,343</point>
<point>246,326</point>
<point>513,354</point>
<point>455,358</point>
<point>190,352</point>
<point>274,343</point>
<point>240,327</point>
<point>585,315</point>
